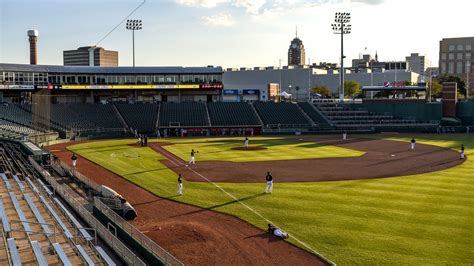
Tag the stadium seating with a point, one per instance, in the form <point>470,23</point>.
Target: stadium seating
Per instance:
<point>313,113</point>
<point>187,114</point>
<point>346,119</point>
<point>283,114</point>
<point>85,117</point>
<point>32,224</point>
<point>232,114</point>
<point>141,117</point>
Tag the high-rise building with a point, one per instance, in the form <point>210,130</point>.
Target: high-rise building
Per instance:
<point>418,63</point>
<point>455,58</point>
<point>90,56</point>
<point>296,52</point>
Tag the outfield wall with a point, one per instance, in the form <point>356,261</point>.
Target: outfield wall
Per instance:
<point>465,112</point>
<point>421,111</point>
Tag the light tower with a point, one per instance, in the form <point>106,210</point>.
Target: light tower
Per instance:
<point>342,27</point>
<point>133,25</point>
<point>33,38</point>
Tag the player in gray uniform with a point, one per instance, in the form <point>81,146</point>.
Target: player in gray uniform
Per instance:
<point>180,185</point>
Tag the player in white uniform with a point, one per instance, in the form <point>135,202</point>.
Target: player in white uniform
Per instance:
<point>412,143</point>
<point>462,151</point>
<point>74,160</point>
<point>246,142</point>
<point>180,185</point>
<point>192,160</point>
<point>344,135</point>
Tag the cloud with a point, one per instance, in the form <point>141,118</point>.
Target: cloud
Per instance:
<point>369,2</point>
<point>265,6</point>
<point>251,6</point>
<point>201,3</point>
<point>219,20</point>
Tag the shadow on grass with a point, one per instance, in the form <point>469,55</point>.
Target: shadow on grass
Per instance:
<point>153,201</point>
<point>221,205</point>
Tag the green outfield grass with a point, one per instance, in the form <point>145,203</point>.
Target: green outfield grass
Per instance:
<point>273,149</point>
<point>409,220</point>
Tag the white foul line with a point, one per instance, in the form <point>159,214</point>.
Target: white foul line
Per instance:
<point>177,163</point>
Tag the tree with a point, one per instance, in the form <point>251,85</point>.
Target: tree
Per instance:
<point>323,90</point>
<point>458,80</point>
<point>351,88</point>
<point>435,89</point>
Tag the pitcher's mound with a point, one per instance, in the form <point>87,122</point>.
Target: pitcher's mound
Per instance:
<point>255,148</point>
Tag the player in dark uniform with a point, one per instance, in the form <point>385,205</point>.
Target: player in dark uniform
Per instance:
<point>269,186</point>
<point>180,185</point>
<point>277,231</point>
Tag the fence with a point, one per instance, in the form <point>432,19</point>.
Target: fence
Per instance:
<point>142,239</point>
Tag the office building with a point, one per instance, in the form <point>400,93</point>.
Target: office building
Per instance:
<point>418,63</point>
<point>455,58</point>
<point>90,56</point>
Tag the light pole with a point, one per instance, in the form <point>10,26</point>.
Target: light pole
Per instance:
<point>342,27</point>
<point>133,25</point>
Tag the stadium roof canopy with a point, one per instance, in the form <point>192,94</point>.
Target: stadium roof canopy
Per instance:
<point>108,70</point>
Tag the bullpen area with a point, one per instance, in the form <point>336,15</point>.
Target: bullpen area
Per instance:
<point>364,200</point>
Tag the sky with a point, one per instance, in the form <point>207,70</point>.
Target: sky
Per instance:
<point>231,33</point>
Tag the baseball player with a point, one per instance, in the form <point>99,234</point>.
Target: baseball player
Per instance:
<point>180,185</point>
<point>192,160</point>
<point>74,160</point>
<point>462,151</point>
<point>344,135</point>
<point>277,231</point>
<point>269,186</point>
<point>412,143</point>
<point>246,142</point>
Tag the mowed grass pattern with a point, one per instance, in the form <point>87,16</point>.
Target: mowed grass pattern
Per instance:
<point>273,149</point>
<point>419,219</point>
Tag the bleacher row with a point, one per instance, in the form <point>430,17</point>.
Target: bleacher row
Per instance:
<point>346,119</point>
<point>37,228</point>
<point>15,120</point>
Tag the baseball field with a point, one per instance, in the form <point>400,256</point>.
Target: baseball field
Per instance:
<point>367,200</point>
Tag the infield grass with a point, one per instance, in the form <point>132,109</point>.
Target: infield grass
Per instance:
<point>273,149</point>
<point>410,220</point>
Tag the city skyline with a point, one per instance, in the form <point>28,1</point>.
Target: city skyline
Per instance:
<point>229,33</point>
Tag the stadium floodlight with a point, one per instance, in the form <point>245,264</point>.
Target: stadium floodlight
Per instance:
<point>133,25</point>
<point>342,26</point>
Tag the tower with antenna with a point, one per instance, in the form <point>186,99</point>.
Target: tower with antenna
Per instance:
<point>33,39</point>
<point>296,52</point>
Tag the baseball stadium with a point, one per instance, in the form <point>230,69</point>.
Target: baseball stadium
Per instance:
<point>90,165</point>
